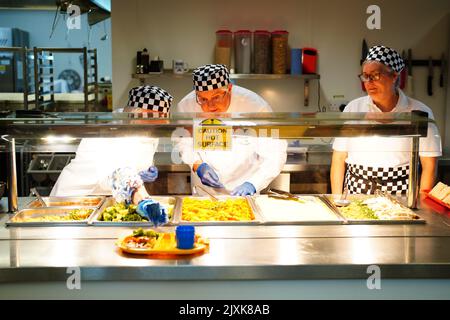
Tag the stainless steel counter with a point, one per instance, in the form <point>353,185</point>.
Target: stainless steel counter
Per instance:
<point>236,252</point>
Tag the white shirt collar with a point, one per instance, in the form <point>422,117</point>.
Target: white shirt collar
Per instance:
<point>402,103</point>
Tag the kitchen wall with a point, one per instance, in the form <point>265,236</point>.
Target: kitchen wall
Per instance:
<point>186,30</point>
<point>39,24</point>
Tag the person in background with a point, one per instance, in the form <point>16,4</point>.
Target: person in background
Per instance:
<point>253,162</point>
<point>363,165</point>
<point>98,163</point>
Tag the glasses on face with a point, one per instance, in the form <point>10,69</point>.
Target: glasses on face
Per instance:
<point>216,99</point>
<point>365,77</point>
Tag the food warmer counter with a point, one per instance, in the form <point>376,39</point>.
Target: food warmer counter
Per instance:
<point>243,261</point>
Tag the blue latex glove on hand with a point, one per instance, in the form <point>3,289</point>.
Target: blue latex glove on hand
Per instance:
<point>245,189</point>
<point>208,176</point>
<point>151,210</point>
<point>149,175</point>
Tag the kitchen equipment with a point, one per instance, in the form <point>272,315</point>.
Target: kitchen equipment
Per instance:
<point>296,61</point>
<point>279,51</point>
<point>179,67</point>
<point>50,216</point>
<point>280,194</point>
<point>38,196</point>
<point>410,82</point>
<point>261,51</point>
<point>403,73</point>
<point>2,188</point>
<point>430,77</point>
<point>364,53</point>
<point>242,51</point>
<point>224,44</point>
<point>207,192</point>
<point>11,63</point>
<point>139,67</point>
<point>309,60</point>
<point>343,202</point>
<point>145,61</point>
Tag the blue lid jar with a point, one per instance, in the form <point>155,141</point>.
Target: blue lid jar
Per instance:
<point>185,236</point>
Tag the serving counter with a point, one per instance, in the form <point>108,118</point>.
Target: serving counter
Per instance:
<point>285,261</point>
<point>276,261</point>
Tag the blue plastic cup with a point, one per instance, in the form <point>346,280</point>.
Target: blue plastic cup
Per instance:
<point>185,237</point>
<point>296,61</point>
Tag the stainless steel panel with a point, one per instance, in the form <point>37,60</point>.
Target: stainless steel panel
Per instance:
<point>258,218</point>
<point>19,219</point>
<point>75,202</point>
<point>95,219</point>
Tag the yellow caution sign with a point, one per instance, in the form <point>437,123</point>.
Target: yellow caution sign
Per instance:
<point>212,135</point>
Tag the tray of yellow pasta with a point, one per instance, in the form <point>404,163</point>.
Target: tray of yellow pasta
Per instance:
<point>227,210</point>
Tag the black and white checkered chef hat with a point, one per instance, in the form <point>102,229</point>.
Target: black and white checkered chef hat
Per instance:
<point>386,56</point>
<point>150,98</point>
<point>210,77</point>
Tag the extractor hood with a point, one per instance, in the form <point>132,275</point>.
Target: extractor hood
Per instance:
<point>97,10</point>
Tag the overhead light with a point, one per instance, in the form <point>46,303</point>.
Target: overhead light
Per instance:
<point>58,139</point>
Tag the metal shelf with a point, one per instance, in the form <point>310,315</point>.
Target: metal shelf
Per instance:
<point>251,76</point>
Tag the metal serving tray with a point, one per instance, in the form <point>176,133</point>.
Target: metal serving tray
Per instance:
<point>72,202</point>
<point>354,197</point>
<point>257,220</point>
<point>110,201</point>
<point>333,213</point>
<point>17,220</point>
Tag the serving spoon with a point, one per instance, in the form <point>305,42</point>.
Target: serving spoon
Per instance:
<point>36,193</point>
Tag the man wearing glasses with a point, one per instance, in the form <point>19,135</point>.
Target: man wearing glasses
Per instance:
<point>253,162</point>
<point>213,92</point>
<point>363,165</point>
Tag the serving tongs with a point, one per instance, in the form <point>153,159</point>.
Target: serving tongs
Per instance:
<point>213,198</point>
<point>283,195</point>
<point>38,196</point>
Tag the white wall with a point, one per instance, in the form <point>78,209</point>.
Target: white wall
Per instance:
<point>186,30</point>
<point>39,25</point>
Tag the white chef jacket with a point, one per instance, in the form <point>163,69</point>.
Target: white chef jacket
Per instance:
<point>96,158</point>
<point>251,159</point>
<point>242,100</point>
<point>388,151</point>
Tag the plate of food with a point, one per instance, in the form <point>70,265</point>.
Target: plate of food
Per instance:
<point>148,242</point>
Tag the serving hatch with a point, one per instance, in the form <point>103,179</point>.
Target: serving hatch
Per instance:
<point>229,210</point>
<point>113,214</point>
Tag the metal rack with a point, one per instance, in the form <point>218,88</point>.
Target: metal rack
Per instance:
<point>27,73</point>
<point>44,76</point>
<point>142,77</point>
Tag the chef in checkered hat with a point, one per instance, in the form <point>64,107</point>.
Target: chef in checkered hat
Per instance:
<point>90,172</point>
<point>253,162</point>
<point>213,92</point>
<point>363,165</point>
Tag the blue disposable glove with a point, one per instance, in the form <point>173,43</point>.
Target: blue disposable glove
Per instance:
<point>245,189</point>
<point>151,210</point>
<point>149,175</point>
<point>208,176</point>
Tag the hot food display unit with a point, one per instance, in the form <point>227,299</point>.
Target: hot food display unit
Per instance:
<point>251,242</point>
